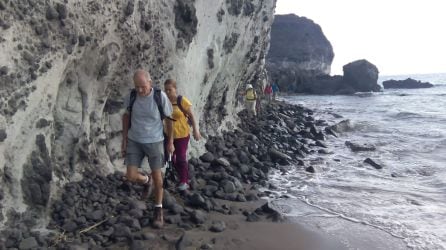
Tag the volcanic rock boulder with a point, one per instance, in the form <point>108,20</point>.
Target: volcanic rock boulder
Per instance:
<point>362,76</point>
<point>409,83</point>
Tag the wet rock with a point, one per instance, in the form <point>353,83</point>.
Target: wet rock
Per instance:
<point>355,147</point>
<point>321,144</point>
<point>218,226</point>
<point>251,196</point>
<point>28,243</point>
<point>244,168</point>
<point>173,219</point>
<point>372,163</point>
<point>206,246</point>
<point>310,169</point>
<point>168,200</point>
<point>121,230</point>
<point>183,242</point>
<point>279,156</point>
<point>223,162</point>
<point>241,198</point>
<point>196,200</point>
<point>70,226</point>
<point>185,226</point>
<point>136,204</point>
<point>229,187</point>
<point>148,236</point>
<point>198,217</point>
<point>330,132</point>
<point>252,217</point>
<point>96,215</point>
<point>362,76</point>
<point>343,126</point>
<point>409,83</point>
<point>207,157</point>
<point>324,151</point>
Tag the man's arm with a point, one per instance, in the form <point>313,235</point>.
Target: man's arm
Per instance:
<point>169,128</point>
<point>167,106</point>
<point>125,132</point>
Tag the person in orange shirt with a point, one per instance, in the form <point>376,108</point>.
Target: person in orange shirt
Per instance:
<point>184,118</point>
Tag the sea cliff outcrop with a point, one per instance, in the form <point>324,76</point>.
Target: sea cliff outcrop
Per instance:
<point>300,57</point>
<point>299,51</point>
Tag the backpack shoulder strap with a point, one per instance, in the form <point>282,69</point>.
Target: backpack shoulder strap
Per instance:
<point>180,106</point>
<point>159,103</point>
<point>132,100</point>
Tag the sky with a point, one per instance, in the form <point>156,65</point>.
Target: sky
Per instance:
<point>398,36</point>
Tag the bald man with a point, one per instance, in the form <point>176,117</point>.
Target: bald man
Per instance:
<point>143,136</point>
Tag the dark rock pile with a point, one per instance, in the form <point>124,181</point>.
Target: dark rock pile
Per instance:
<point>101,211</point>
<point>409,83</point>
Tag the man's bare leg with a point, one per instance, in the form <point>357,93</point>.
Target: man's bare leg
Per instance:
<point>158,220</point>
<point>135,176</point>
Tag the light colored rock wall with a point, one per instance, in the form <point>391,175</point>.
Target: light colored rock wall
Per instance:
<point>67,74</point>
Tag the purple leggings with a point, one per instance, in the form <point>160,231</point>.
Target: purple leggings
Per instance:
<point>179,158</point>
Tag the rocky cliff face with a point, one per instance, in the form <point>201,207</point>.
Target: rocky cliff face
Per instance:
<point>299,51</point>
<point>66,65</point>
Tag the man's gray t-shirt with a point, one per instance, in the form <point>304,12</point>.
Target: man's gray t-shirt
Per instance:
<point>146,123</point>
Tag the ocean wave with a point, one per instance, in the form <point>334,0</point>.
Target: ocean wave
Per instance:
<point>407,115</point>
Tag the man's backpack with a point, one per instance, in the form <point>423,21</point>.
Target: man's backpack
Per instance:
<point>179,100</point>
<point>156,96</point>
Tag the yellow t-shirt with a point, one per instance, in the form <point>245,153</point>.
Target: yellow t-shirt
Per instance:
<point>251,95</point>
<point>181,127</point>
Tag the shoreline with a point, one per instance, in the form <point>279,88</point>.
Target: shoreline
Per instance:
<point>224,209</point>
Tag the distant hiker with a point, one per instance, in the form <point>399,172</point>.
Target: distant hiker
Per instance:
<point>276,90</point>
<point>268,92</point>
<point>184,118</point>
<point>142,126</point>
<point>250,99</point>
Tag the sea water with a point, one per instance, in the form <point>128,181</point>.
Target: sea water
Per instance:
<point>406,199</point>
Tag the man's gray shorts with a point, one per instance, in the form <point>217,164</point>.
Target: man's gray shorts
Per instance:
<point>136,152</point>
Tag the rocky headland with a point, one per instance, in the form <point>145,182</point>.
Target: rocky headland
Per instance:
<point>300,57</point>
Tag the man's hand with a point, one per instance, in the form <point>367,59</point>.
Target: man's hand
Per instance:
<point>123,148</point>
<point>170,147</point>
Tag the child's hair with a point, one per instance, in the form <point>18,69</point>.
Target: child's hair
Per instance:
<point>171,81</point>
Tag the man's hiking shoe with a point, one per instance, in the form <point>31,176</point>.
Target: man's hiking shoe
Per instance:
<point>147,189</point>
<point>158,220</point>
